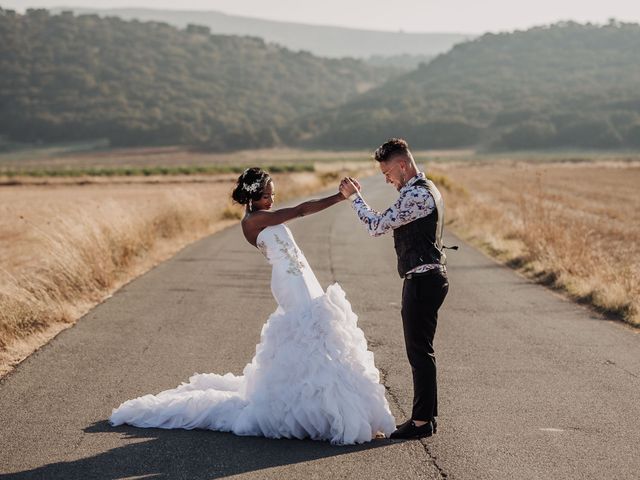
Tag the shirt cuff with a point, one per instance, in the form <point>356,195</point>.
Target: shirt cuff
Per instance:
<point>354,195</point>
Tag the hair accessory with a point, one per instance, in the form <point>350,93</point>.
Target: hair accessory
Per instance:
<point>252,187</point>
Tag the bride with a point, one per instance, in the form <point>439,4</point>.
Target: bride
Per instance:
<point>312,375</point>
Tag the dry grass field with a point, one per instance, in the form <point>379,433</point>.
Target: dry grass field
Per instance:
<point>571,225</point>
<point>47,158</point>
<point>69,243</point>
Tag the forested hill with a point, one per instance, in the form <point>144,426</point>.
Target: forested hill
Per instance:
<point>68,78</point>
<point>565,85</point>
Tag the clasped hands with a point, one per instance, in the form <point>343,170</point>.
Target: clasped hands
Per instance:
<point>349,186</point>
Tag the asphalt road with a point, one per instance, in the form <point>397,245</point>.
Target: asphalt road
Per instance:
<point>531,385</point>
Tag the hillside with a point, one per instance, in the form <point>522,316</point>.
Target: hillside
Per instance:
<point>560,86</point>
<point>67,78</point>
<point>320,40</point>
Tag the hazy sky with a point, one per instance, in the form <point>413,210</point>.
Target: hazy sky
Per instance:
<point>468,16</point>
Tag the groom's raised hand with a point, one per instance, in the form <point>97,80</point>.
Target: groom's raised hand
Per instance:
<point>356,183</point>
<point>349,186</point>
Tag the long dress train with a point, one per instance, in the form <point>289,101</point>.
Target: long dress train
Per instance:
<point>312,375</point>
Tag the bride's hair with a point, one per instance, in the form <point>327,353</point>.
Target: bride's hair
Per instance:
<point>250,185</point>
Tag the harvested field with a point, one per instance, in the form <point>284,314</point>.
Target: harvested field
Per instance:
<point>571,225</point>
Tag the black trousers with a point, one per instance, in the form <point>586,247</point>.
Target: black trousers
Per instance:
<point>421,298</point>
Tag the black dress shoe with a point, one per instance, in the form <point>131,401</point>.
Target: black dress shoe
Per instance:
<point>402,424</point>
<point>409,430</point>
<point>433,421</point>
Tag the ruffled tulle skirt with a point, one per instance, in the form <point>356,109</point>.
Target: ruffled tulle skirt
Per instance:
<point>312,377</point>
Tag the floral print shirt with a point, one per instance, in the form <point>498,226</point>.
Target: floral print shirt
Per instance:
<point>413,203</point>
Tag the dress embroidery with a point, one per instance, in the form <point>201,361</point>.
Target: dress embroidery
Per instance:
<point>262,247</point>
<point>295,264</point>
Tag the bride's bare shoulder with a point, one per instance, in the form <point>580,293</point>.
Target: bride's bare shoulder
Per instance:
<point>250,229</point>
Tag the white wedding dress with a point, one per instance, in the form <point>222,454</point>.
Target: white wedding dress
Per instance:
<point>311,377</point>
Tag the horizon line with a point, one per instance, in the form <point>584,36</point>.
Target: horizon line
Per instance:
<point>308,24</point>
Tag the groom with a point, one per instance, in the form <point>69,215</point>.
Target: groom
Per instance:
<point>417,220</point>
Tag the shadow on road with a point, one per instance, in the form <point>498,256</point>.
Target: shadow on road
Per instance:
<point>182,454</point>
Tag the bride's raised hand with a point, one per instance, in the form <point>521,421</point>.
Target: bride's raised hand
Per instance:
<point>260,219</point>
<point>343,188</point>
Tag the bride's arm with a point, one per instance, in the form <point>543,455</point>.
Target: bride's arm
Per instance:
<point>265,218</point>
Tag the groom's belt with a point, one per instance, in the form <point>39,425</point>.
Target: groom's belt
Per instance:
<point>431,271</point>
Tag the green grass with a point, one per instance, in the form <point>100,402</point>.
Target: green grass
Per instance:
<point>148,171</point>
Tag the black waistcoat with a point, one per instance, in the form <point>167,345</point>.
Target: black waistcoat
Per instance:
<point>420,242</point>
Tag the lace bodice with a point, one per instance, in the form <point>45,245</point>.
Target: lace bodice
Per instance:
<point>277,244</point>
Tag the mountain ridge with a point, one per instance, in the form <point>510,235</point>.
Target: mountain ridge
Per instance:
<point>322,40</point>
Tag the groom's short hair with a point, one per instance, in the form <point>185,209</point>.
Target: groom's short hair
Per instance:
<point>391,148</point>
